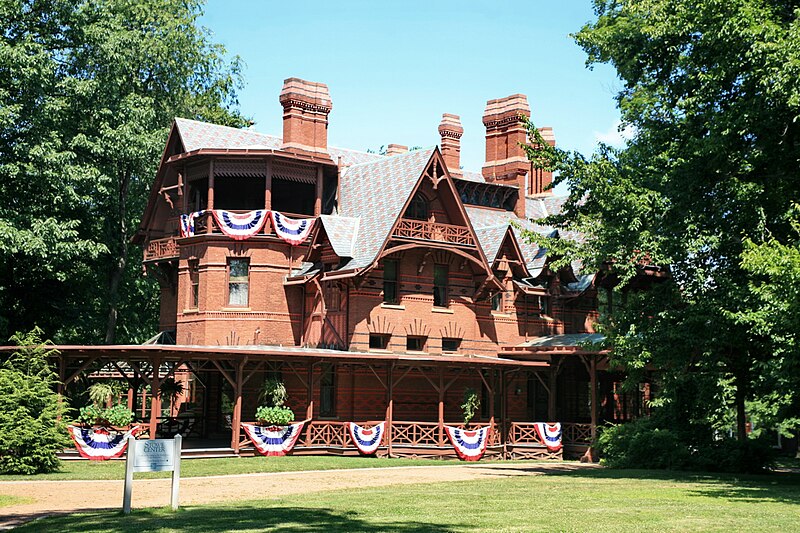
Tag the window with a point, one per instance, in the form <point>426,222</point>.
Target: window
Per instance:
<point>497,302</point>
<point>418,208</point>
<point>415,344</point>
<point>327,391</point>
<point>333,297</point>
<point>194,278</point>
<point>390,281</point>
<point>450,344</point>
<point>378,341</point>
<point>544,305</point>
<point>440,273</point>
<point>238,282</point>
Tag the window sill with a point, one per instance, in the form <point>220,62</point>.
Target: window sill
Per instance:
<point>416,352</point>
<point>393,306</point>
<point>378,350</point>
<point>235,309</point>
<point>444,310</point>
<point>192,311</point>
<point>501,314</point>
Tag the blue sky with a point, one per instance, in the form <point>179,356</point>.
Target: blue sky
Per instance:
<point>393,68</point>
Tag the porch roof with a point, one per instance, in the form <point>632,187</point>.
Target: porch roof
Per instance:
<point>137,352</point>
<point>576,343</point>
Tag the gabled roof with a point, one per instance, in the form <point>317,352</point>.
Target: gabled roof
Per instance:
<point>376,192</point>
<point>342,233</point>
<point>196,135</point>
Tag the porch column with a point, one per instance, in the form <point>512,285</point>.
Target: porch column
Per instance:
<point>492,391</point>
<point>441,407</point>
<point>318,196</point>
<point>236,419</point>
<point>155,397</point>
<point>309,401</point>
<point>593,378</point>
<point>551,397</point>
<point>503,411</point>
<point>130,397</point>
<point>389,405</point>
<point>210,197</point>
<point>268,185</point>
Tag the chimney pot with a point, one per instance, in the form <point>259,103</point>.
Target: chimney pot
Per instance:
<point>306,105</point>
<point>451,131</point>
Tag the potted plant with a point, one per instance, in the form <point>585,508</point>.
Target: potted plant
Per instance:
<point>472,402</point>
<point>272,412</point>
<point>97,414</point>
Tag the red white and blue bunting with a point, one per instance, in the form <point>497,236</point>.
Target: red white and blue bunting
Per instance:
<point>100,444</point>
<point>549,434</point>
<point>367,440</point>
<point>469,445</point>
<point>187,223</point>
<point>240,226</point>
<point>274,440</point>
<point>292,230</point>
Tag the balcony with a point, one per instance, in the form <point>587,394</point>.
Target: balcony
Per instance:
<point>161,250</point>
<point>433,231</point>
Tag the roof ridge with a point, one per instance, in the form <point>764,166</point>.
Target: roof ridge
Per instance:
<point>385,159</point>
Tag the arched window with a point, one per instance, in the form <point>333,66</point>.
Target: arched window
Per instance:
<point>418,208</point>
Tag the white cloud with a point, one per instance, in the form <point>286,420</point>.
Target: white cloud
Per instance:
<point>614,137</point>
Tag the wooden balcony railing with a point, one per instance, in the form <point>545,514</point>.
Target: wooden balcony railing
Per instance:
<point>433,231</point>
<point>161,250</point>
<point>572,433</point>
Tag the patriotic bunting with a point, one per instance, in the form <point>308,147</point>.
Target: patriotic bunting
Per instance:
<point>469,445</point>
<point>367,440</point>
<point>292,230</point>
<point>187,223</point>
<point>100,444</point>
<point>549,434</point>
<point>274,440</point>
<point>240,226</point>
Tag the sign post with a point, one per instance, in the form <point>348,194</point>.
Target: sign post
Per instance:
<point>155,455</point>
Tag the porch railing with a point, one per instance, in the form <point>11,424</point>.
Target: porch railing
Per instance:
<point>433,231</point>
<point>161,250</point>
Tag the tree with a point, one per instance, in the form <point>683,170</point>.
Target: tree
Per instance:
<point>31,431</point>
<point>712,92</point>
<point>87,93</point>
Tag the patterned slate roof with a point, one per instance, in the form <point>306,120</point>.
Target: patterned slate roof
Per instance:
<point>472,176</point>
<point>566,339</point>
<point>375,192</point>
<point>342,233</point>
<point>196,135</point>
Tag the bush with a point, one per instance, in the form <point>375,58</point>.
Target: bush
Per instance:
<point>31,432</point>
<point>274,416</point>
<point>119,415</point>
<point>643,444</point>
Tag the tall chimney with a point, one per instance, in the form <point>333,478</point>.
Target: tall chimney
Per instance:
<point>451,130</point>
<point>540,179</point>
<point>506,162</point>
<point>306,105</point>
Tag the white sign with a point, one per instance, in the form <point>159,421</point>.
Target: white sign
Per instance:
<point>155,455</point>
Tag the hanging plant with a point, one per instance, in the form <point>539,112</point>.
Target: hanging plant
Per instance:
<point>273,393</point>
<point>170,389</point>
<point>472,402</point>
<point>274,416</point>
<point>100,392</point>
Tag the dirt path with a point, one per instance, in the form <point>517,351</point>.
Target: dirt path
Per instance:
<point>53,497</point>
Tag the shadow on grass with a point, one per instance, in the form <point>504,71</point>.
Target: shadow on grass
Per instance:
<point>233,518</point>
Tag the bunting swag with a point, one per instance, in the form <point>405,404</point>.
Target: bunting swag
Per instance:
<point>274,440</point>
<point>549,434</point>
<point>187,223</point>
<point>100,444</point>
<point>367,440</point>
<point>240,226</point>
<point>469,445</point>
<point>292,230</point>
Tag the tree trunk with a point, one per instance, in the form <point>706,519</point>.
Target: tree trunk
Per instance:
<point>741,415</point>
<point>122,259</point>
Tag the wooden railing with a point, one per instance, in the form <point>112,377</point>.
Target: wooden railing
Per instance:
<point>326,434</point>
<point>433,231</point>
<point>572,433</point>
<point>577,433</point>
<point>161,249</point>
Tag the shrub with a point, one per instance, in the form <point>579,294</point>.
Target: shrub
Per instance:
<point>31,432</point>
<point>274,416</point>
<point>118,415</point>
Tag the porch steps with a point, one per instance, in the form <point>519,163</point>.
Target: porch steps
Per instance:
<point>186,453</point>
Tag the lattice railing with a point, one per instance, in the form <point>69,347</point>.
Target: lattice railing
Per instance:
<point>577,433</point>
<point>415,434</point>
<point>522,433</point>
<point>326,435</point>
<point>572,433</point>
<point>433,231</point>
<point>161,249</point>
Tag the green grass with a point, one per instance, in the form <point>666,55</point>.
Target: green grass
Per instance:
<point>91,470</point>
<point>586,500</point>
<point>5,500</point>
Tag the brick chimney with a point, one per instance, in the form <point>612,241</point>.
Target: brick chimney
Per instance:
<point>451,130</point>
<point>539,179</point>
<point>506,162</point>
<point>396,149</point>
<point>306,105</point>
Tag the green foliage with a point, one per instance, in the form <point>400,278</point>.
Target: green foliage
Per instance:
<point>170,389</point>
<point>117,416</point>
<point>100,392</point>
<point>643,444</point>
<point>471,405</point>
<point>88,90</point>
<point>91,415</point>
<point>273,393</point>
<point>31,431</point>
<point>274,416</point>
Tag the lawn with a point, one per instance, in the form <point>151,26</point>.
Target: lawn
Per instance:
<point>585,500</point>
<point>5,501</point>
<point>91,470</point>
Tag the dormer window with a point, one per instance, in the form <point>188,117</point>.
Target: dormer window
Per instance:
<point>418,208</point>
